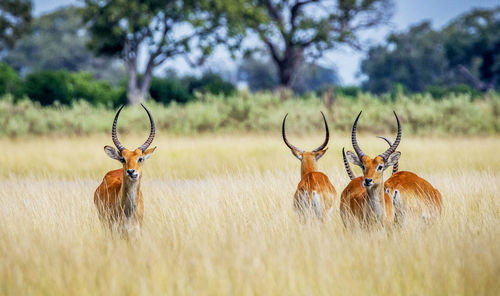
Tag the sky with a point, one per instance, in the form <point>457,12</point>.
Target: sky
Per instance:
<point>345,60</point>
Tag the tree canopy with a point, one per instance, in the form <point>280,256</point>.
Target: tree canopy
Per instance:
<point>58,42</point>
<point>295,30</point>
<point>472,47</point>
<point>415,58</point>
<point>157,29</point>
<point>15,20</point>
<point>466,51</point>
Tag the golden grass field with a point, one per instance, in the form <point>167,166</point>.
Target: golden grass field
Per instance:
<point>219,221</point>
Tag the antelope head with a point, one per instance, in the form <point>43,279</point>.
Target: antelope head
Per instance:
<point>132,160</point>
<point>373,168</point>
<point>308,159</point>
<point>395,168</point>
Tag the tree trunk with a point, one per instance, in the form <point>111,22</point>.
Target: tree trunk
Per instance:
<point>138,89</point>
<point>134,97</point>
<point>286,71</point>
<point>133,92</point>
<point>136,93</point>
<point>146,82</point>
<point>287,67</point>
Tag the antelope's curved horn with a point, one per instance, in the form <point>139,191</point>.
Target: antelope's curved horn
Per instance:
<point>385,139</point>
<point>394,145</point>
<point>395,167</point>
<point>347,166</point>
<point>148,142</point>
<point>358,150</point>
<point>114,136</point>
<point>327,136</point>
<point>285,139</point>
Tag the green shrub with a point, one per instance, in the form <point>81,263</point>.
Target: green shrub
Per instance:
<point>182,90</point>
<point>84,86</point>
<point>170,89</point>
<point>209,83</point>
<point>48,87</point>
<point>348,91</point>
<point>438,92</point>
<point>465,89</point>
<point>10,83</point>
<point>397,91</point>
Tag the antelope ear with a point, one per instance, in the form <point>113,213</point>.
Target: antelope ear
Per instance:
<point>112,152</point>
<point>354,158</point>
<point>392,159</point>
<point>147,154</point>
<point>320,153</point>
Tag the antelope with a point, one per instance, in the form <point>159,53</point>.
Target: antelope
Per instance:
<point>314,192</point>
<point>364,198</point>
<point>118,198</point>
<point>412,194</point>
<point>354,195</point>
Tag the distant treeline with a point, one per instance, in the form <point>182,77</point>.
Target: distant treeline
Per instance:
<point>56,61</point>
<point>464,53</point>
<point>64,88</point>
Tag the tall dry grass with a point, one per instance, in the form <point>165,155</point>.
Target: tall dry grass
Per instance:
<point>219,221</point>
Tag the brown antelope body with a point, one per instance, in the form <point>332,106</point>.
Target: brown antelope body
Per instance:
<point>354,197</point>
<point>315,193</point>
<point>412,194</point>
<point>364,199</point>
<point>118,198</point>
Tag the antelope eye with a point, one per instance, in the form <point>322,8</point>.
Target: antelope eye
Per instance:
<point>379,168</point>
<point>363,167</point>
<point>140,159</point>
<point>122,160</point>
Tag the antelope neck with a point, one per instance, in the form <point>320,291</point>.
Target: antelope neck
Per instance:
<point>308,166</point>
<point>129,193</point>
<point>376,200</point>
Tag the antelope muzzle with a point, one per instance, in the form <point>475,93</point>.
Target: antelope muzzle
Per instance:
<point>368,182</point>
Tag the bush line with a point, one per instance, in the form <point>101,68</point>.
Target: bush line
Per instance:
<point>262,112</point>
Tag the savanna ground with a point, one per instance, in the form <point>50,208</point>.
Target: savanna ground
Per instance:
<point>219,221</point>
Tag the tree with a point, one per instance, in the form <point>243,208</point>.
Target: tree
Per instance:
<point>294,30</point>
<point>261,75</point>
<point>472,47</point>
<point>313,77</point>
<point>464,54</point>
<point>169,89</point>
<point>415,59</point>
<point>158,29</point>
<point>15,20</point>
<point>10,83</point>
<point>58,42</point>
<point>209,82</point>
<point>47,87</point>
